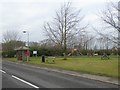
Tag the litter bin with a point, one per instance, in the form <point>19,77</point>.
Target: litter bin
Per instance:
<point>43,58</point>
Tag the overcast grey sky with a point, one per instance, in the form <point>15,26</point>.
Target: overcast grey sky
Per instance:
<point>31,14</point>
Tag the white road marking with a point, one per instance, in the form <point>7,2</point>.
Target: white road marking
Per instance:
<point>25,81</point>
<point>2,71</point>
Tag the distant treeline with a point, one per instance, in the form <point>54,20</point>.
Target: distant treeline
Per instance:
<point>58,52</point>
<point>8,50</point>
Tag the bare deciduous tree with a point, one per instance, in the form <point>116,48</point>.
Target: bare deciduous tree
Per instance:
<point>65,25</point>
<point>11,40</point>
<point>10,35</point>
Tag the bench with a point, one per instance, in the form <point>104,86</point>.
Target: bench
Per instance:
<point>50,59</point>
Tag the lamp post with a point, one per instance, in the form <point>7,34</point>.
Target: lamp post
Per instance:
<point>27,53</point>
<point>27,37</point>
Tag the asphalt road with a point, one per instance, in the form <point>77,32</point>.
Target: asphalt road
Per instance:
<point>24,76</point>
<point>10,82</point>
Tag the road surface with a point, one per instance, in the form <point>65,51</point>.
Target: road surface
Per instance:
<point>25,76</point>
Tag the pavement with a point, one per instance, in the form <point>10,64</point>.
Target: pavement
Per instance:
<point>54,78</point>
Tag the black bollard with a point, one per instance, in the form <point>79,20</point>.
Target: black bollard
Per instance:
<point>43,58</point>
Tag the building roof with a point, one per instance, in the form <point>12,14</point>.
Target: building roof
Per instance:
<point>21,48</point>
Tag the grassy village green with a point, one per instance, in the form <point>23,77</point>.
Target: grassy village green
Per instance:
<point>84,64</point>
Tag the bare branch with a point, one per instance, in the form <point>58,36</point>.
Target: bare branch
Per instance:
<point>110,16</point>
<point>10,35</point>
<point>113,39</point>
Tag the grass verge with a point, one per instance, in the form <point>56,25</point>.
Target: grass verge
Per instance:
<point>91,65</point>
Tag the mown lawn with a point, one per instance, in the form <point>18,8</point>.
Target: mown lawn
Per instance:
<point>85,64</point>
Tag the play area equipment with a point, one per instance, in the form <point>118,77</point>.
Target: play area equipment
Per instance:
<point>22,53</point>
<point>74,51</point>
<point>104,56</point>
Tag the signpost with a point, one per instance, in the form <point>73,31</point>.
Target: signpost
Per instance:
<point>35,53</point>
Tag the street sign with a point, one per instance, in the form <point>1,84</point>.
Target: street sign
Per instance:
<point>35,52</point>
